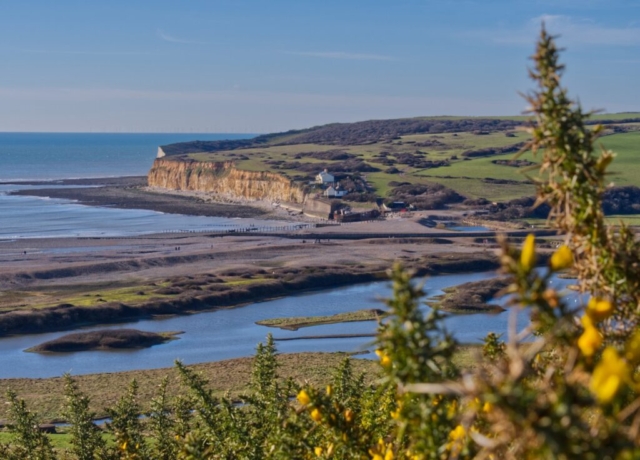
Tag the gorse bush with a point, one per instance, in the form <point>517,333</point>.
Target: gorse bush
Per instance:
<point>564,387</point>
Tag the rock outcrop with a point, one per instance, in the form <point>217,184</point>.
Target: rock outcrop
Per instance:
<point>225,179</point>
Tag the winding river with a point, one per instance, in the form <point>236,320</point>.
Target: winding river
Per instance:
<point>232,333</point>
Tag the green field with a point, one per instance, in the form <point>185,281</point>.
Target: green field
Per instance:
<point>472,177</point>
<point>465,176</point>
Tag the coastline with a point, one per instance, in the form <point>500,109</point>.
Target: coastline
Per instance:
<point>132,192</point>
<point>66,283</point>
<point>43,281</point>
<point>132,196</point>
<point>120,181</point>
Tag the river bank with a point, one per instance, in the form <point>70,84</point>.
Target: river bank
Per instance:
<point>197,292</point>
<point>225,377</point>
<point>48,285</point>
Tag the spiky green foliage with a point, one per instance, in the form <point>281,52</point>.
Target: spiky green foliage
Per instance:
<point>29,441</point>
<point>127,427</point>
<point>86,437</point>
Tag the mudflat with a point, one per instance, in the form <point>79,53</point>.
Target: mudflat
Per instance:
<point>52,284</point>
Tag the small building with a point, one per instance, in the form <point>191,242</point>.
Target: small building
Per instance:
<point>325,178</point>
<point>396,206</point>
<point>357,216</point>
<point>333,193</point>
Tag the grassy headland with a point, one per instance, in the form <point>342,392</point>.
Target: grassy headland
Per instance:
<point>469,156</point>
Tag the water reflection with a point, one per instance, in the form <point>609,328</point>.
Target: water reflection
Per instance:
<point>232,333</point>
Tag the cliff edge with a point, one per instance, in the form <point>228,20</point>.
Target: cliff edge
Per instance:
<point>223,178</point>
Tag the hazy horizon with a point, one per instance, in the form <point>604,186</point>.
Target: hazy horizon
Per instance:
<point>259,67</point>
<point>258,134</point>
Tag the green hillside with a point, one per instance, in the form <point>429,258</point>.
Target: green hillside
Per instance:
<point>470,156</point>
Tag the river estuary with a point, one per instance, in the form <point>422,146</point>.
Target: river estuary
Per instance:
<point>232,333</point>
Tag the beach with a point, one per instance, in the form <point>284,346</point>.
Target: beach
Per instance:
<point>130,193</point>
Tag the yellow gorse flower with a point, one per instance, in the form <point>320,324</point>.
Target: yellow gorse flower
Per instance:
<point>562,258</point>
<point>382,451</point>
<point>316,415</point>
<point>457,433</point>
<point>551,297</point>
<point>632,349</point>
<point>348,415</point>
<point>591,339</point>
<point>329,390</point>
<point>609,375</point>
<point>528,254</point>
<point>452,408</point>
<point>303,397</point>
<point>456,438</point>
<point>318,451</point>
<point>599,309</point>
<point>385,361</point>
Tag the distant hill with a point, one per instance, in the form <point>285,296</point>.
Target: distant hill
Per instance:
<point>372,131</point>
<point>429,162</point>
<point>358,133</point>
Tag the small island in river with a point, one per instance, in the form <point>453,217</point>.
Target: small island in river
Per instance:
<point>472,297</point>
<point>107,339</point>
<point>294,323</point>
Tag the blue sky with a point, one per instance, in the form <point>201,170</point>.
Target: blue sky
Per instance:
<point>262,66</point>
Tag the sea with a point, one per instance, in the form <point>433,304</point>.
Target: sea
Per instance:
<point>56,156</point>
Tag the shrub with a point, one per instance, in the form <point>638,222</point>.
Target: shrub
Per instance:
<point>569,392</point>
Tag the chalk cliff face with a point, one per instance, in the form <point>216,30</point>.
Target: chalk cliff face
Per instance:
<point>223,178</point>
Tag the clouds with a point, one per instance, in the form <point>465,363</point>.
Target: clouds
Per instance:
<point>589,32</point>
<point>172,39</point>
<point>573,30</point>
<point>340,55</point>
<point>109,109</point>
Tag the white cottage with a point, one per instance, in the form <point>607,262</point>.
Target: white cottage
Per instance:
<point>325,178</point>
<point>333,193</point>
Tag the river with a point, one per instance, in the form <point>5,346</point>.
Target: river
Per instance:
<point>232,333</point>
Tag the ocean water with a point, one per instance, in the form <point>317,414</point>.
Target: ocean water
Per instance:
<point>37,217</point>
<point>47,156</point>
